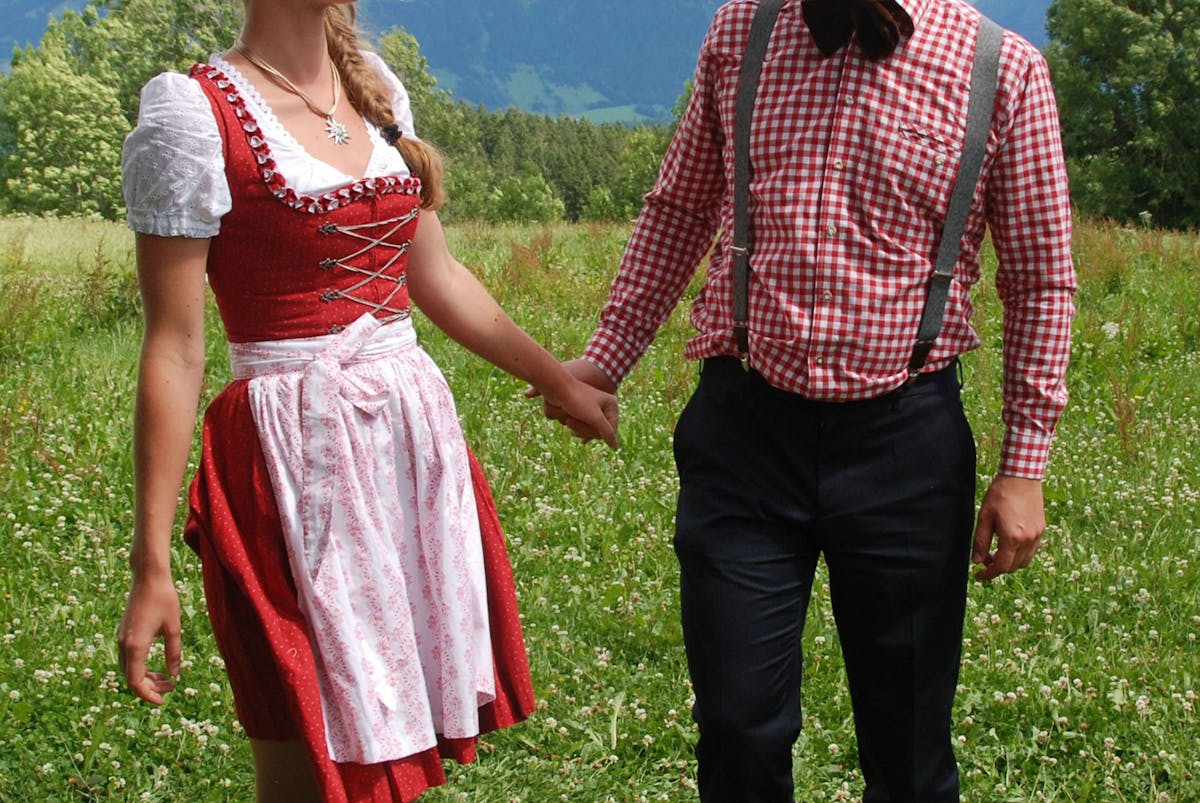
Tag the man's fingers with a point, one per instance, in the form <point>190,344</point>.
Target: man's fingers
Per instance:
<point>554,412</point>
<point>1026,551</point>
<point>982,547</point>
<point>1013,552</point>
<point>996,565</point>
<point>1012,512</point>
<point>578,428</point>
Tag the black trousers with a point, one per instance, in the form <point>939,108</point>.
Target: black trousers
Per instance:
<point>883,489</point>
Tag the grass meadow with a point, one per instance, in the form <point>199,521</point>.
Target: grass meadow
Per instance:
<point>1080,676</point>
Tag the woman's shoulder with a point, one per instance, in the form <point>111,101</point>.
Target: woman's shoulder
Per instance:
<point>395,86</point>
<point>376,63</point>
<point>169,95</point>
<point>401,104</point>
<point>173,114</point>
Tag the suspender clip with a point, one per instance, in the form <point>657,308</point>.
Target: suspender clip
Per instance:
<point>741,336</point>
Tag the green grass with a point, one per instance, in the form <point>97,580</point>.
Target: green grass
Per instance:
<point>1080,674</point>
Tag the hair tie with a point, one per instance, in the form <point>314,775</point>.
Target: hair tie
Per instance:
<point>391,134</point>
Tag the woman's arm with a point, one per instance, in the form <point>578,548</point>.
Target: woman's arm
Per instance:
<point>171,275</point>
<point>459,305</point>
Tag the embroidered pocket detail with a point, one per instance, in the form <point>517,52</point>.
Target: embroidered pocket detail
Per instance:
<point>930,139</point>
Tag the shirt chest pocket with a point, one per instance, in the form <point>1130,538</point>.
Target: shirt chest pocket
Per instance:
<point>914,166</point>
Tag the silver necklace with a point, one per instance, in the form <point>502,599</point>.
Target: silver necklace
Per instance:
<point>334,129</point>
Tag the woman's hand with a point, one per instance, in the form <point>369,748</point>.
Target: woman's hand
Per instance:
<point>151,612</point>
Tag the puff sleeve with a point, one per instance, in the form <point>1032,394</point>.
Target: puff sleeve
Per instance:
<point>172,163</point>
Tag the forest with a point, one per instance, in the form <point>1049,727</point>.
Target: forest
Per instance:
<point>1127,74</point>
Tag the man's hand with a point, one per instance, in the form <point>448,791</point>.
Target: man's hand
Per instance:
<point>1014,511</point>
<point>584,371</point>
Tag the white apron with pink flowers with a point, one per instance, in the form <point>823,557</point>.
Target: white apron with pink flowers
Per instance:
<point>371,477</point>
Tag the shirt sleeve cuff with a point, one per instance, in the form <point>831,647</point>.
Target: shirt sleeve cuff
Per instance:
<point>611,354</point>
<point>1025,453</point>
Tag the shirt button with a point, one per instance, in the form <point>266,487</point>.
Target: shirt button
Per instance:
<point>820,360</point>
<point>827,295</point>
<point>939,160</point>
<point>838,164</point>
<point>848,100</point>
<point>831,229</point>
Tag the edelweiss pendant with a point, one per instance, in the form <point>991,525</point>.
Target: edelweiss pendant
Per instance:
<point>336,131</point>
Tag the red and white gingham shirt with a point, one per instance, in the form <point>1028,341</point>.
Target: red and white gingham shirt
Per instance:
<point>853,163</point>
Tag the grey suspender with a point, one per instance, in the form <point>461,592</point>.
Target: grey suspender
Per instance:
<point>984,74</point>
<point>756,49</point>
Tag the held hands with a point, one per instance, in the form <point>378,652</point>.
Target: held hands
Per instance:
<point>152,611</point>
<point>1013,510</point>
<point>577,410</point>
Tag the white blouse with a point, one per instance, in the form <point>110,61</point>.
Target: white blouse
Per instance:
<point>173,166</point>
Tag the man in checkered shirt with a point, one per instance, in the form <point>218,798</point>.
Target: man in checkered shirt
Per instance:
<point>823,448</point>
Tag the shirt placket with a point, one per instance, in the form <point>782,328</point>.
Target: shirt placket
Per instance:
<point>828,291</point>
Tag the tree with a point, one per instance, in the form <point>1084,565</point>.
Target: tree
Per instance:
<point>145,37</point>
<point>1127,75</point>
<point>620,198</point>
<point>434,112</point>
<point>60,137</point>
<point>526,198</point>
<point>69,103</point>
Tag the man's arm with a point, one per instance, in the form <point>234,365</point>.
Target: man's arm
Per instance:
<point>675,229</point>
<point>673,232</point>
<point>1030,220</point>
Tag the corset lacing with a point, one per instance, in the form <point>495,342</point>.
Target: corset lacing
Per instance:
<point>363,232</point>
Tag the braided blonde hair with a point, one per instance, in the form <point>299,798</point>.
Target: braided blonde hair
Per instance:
<point>368,95</point>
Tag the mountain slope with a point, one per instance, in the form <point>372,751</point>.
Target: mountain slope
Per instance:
<point>615,60</point>
<point>552,56</point>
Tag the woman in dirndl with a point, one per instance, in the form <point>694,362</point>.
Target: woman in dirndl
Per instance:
<point>355,572</point>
